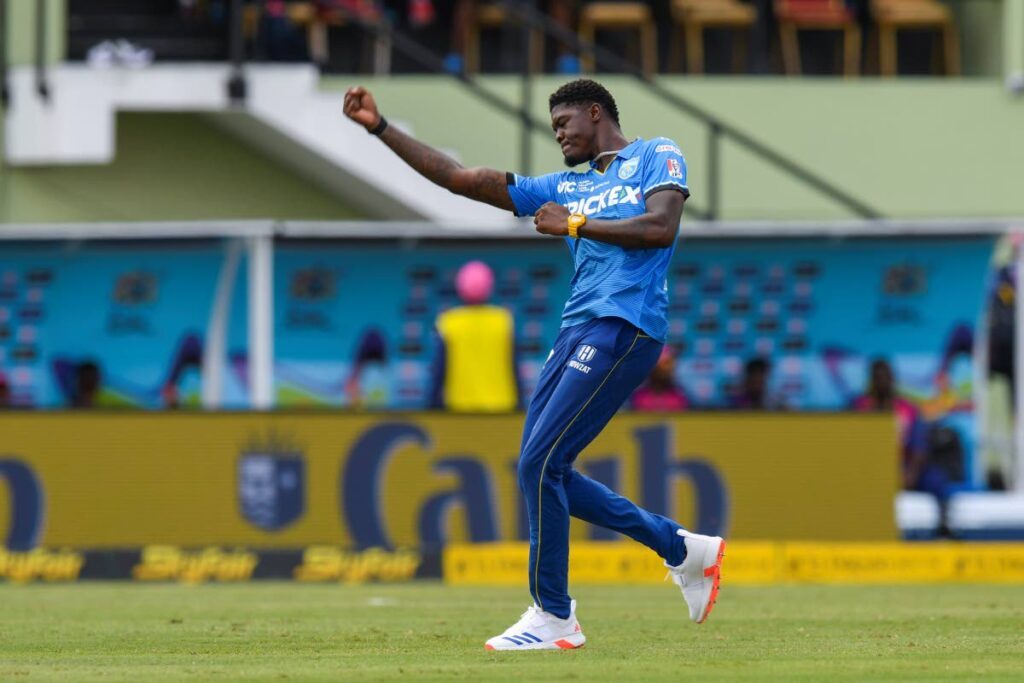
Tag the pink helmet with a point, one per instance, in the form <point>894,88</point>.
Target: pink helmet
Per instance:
<point>474,282</point>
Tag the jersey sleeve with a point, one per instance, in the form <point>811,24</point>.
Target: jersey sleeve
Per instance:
<point>529,193</point>
<point>664,168</point>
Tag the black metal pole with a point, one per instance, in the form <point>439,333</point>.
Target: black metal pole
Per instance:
<point>236,53</point>
<point>5,94</point>
<point>714,171</point>
<point>42,87</point>
<point>525,98</point>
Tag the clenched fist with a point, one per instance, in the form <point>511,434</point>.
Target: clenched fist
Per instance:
<point>552,219</point>
<point>360,107</point>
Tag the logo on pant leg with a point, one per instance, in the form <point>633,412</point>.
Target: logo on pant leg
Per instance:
<point>583,354</point>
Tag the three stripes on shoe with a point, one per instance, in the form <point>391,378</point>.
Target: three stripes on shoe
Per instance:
<point>527,638</point>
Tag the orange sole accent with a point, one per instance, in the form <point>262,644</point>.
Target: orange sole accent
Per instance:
<point>488,647</point>
<point>566,645</point>
<point>716,571</point>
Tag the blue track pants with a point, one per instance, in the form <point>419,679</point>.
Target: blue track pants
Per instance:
<point>592,370</point>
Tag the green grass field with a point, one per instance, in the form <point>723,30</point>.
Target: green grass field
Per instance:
<point>426,631</point>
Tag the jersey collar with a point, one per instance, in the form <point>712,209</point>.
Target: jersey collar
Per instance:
<point>627,152</point>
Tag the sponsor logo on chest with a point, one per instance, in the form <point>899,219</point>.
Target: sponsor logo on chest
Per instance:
<point>596,203</point>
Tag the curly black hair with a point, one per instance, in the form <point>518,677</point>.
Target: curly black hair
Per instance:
<point>585,91</point>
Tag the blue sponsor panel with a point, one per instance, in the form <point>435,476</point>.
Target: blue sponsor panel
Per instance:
<point>354,322</point>
<point>821,310</point>
<point>133,316</point>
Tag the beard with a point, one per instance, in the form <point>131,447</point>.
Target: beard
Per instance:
<point>574,159</point>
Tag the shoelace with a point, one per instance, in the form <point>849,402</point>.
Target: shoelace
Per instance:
<point>529,616</point>
<point>678,578</point>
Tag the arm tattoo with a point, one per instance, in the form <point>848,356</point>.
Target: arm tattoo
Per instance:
<point>490,186</point>
<point>481,184</point>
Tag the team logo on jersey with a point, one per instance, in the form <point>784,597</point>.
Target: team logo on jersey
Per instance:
<point>585,353</point>
<point>674,169</point>
<point>566,186</point>
<point>628,168</point>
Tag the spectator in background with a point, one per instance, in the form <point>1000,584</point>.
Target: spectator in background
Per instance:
<point>369,383</point>
<point>5,393</point>
<point>189,357</point>
<point>752,393</point>
<point>474,368</point>
<point>881,396</point>
<point>560,11</point>
<point>660,392</point>
<point>87,383</point>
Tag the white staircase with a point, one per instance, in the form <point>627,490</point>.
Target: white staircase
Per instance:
<point>285,115</point>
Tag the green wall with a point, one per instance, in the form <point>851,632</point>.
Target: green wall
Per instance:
<point>910,147</point>
<point>21,30</point>
<point>168,167</point>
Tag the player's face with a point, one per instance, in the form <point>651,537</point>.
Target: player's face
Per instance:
<point>574,133</point>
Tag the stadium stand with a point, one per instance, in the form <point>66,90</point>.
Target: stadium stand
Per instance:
<point>816,300</point>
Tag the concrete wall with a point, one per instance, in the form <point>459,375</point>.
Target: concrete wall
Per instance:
<point>168,166</point>
<point>910,147</point>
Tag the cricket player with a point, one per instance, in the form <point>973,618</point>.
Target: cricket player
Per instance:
<point>619,216</point>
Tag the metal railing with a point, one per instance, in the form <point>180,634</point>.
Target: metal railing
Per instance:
<point>426,58</point>
<point>5,94</point>
<point>717,128</point>
<point>530,19</point>
<point>42,77</point>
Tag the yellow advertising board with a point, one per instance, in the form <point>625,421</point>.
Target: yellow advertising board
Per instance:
<point>753,563</point>
<point>129,480</point>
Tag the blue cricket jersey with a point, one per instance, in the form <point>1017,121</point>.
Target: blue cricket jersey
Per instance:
<point>611,281</point>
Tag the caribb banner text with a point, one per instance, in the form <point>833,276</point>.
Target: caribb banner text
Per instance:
<point>128,480</point>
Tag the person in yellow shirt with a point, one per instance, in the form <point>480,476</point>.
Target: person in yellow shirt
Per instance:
<point>474,368</point>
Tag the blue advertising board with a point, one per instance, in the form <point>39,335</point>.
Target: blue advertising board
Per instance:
<point>109,324</point>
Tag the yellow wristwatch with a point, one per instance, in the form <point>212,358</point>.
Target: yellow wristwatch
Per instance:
<point>576,221</point>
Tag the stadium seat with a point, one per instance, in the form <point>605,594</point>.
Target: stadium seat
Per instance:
<point>817,15</point>
<point>316,20</point>
<point>494,16</point>
<point>696,16</point>
<point>892,16</point>
<point>635,16</point>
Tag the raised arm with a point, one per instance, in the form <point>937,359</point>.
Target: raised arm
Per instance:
<point>654,229</point>
<point>482,184</point>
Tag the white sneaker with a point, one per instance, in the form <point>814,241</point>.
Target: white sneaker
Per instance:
<point>700,573</point>
<point>539,630</point>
